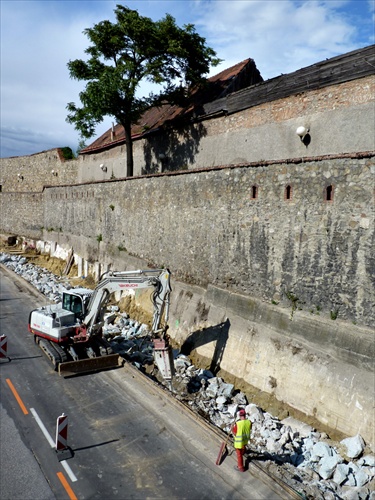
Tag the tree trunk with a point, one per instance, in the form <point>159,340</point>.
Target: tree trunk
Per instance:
<point>129,150</point>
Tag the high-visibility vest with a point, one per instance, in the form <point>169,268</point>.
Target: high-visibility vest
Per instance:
<point>243,433</point>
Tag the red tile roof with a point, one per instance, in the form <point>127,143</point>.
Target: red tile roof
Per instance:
<point>230,80</point>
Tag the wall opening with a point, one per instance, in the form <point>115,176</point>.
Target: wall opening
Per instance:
<point>288,192</point>
<point>329,193</point>
<point>254,192</point>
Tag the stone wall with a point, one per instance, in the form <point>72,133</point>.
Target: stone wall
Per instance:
<point>33,172</point>
<point>236,228</point>
<point>259,133</point>
<point>22,214</point>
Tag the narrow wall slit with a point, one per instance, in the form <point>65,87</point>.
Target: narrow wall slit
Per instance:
<point>329,193</point>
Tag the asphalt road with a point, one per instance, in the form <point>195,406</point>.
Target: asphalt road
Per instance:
<point>128,438</point>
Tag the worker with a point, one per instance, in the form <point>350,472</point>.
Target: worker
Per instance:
<point>241,432</point>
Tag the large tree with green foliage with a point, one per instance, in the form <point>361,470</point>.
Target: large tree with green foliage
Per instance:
<point>125,53</point>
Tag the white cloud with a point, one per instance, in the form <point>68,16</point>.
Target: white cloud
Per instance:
<point>35,82</point>
<point>281,36</point>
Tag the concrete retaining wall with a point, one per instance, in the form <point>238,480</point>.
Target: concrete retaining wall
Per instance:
<point>322,368</point>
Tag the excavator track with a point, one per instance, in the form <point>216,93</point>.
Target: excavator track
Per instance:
<point>66,368</point>
<point>62,353</point>
<point>50,351</point>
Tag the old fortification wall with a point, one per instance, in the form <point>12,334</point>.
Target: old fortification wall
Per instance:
<point>235,228</point>
<point>257,282</point>
<point>274,291</point>
<point>22,214</point>
<point>262,132</point>
<point>31,173</point>
<point>22,181</point>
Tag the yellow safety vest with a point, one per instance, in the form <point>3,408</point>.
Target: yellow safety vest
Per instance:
<point>243,433</point>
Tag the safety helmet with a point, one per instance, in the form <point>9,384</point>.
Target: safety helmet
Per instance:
<point>242,413</point>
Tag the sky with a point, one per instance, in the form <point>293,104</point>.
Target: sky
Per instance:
<point>39,38</point>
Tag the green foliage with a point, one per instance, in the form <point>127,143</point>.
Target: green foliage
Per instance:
<point>67,153</point>
<point>112,207</point>
<point>293,299</point>
<point>334,314</point>
<point>81,145</point>
<point>52,229</point>
<point>317,311</point>
<point>99,238</point>
<point>125,53</point>
<point>121,248</point>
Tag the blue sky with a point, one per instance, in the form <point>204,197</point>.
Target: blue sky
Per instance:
<point>38,38</point>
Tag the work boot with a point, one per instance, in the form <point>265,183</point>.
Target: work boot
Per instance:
<point>238,469</point>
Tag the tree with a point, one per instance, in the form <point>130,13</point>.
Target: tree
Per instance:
<point>125,53</point>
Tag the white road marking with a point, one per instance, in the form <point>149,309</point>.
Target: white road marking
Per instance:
<point>42,428</point>
<point>47,435</point>
<point>68,470</point>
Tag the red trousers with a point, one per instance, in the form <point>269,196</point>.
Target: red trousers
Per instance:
<point>240,452</point>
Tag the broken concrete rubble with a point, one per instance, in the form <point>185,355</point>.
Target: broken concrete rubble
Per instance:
<point>354,446</point>
<point>301,451</point>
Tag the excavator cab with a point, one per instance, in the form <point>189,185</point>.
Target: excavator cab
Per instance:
<point>74,304</point>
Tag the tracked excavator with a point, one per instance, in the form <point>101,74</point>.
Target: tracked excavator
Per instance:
<point>70,333</point>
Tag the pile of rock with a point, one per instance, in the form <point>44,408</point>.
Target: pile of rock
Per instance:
<point>313,465</point>
<point>46,282</point>
<point>344,472</point>
<point>128,337</point>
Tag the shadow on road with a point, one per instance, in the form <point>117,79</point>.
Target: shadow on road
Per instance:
<point>93,445</point>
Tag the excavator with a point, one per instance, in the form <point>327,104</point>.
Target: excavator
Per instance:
<point>70,333</point>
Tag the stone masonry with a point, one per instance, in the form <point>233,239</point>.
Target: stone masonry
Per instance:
<point>246,234</point>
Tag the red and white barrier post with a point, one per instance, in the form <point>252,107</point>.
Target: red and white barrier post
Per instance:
<point>4,347</point>
<point>62,435</point>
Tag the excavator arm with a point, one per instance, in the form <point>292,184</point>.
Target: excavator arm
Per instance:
<point>159,279</point>
<point>112,281</point>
